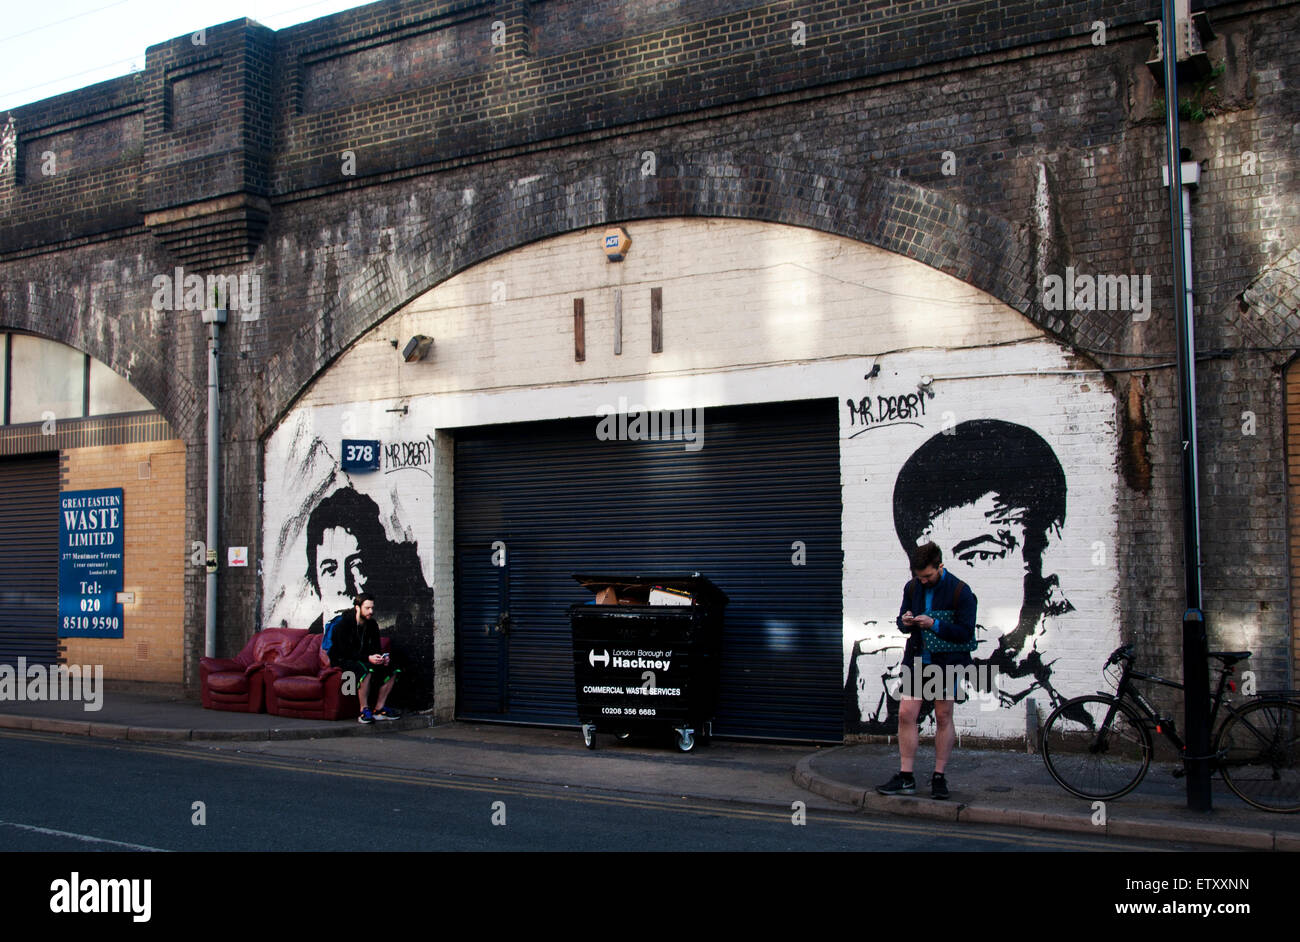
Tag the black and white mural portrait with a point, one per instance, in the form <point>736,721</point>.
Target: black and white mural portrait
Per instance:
<point>998,499</point>
<point>329,535</point>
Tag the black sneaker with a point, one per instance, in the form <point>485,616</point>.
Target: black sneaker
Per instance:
<point>366,716</point>
<point>939,787</point>
<point>387,713</point>
<point>900,784</point>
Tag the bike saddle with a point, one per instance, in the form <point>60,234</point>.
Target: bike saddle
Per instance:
<point>1230,657</point>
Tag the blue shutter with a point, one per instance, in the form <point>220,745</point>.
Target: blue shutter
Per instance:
<point>564,502</point>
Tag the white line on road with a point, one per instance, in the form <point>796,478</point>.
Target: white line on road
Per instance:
<point>81,837</point>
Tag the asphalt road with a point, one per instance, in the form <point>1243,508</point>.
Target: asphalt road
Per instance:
<point>62,794</point>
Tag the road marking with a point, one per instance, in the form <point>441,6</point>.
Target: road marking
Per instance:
<point>82,837</point>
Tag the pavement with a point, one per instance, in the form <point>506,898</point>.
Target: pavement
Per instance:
<point>991,787</point>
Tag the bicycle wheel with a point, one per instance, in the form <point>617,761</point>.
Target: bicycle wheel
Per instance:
<point>1258,749</point>
<point>1091,757</point>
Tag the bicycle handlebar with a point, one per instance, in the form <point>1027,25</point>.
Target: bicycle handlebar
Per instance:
<point>1123,653</point>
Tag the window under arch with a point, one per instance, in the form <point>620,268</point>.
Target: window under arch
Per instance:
<point>43,379</point>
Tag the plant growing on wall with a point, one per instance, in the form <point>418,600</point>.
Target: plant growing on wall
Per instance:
<point>1201,100</point>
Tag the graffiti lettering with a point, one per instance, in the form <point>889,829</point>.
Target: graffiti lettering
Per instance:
<point>887,408</point>
<point>399,456</point>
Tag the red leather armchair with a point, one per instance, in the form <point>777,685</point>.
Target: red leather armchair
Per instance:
<point>237,684</point>
<point>305,686</point>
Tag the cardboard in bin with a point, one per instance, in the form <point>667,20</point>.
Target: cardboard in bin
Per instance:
<point>657,589</point>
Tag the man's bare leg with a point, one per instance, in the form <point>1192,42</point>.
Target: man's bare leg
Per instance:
<point>908,735</point>
<point>384,692</point>
<point>945,736</point>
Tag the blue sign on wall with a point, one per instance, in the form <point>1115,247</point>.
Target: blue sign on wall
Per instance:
<point>360,455</point>
<point>90,563</point>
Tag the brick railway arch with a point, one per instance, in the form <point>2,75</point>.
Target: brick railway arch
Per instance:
<point>985,251</point>
<point>1001,374</point>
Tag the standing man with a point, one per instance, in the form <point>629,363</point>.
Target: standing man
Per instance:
<point>355,647</point>
<point>938,614</point>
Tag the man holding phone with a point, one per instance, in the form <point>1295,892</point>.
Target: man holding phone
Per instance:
<point>941,635</point>
<point>356,648</point>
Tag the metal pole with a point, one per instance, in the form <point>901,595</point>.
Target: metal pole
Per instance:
<point>1196,667</point>
<point>214,452</point>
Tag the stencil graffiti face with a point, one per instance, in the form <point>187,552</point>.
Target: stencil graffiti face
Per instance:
<point>340,573</point>
<point>983,545</point>
<point>992,495</point>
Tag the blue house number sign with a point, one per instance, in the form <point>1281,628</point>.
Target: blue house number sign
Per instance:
<point>360,455</point>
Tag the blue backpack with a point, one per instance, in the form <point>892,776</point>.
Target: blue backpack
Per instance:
<point>328,640</point>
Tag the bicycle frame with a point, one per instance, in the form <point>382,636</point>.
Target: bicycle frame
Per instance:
<point>1127,693</point>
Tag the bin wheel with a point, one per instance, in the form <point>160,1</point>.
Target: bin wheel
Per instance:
<point>589,735</point>
<point>685,740</point>
<point>623,735</point>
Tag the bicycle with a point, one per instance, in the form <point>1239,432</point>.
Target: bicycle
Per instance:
<point>1099,746</point>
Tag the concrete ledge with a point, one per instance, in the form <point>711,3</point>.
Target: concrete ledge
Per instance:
<point>157,734</point>
<point>340,728</point>
<point>915,807</point>
<point>229,735</point>
<point>71,727</point>
<point>108,731</point>
<point>125,731</point>
<point>1198,834</point>
<point>805,776</point>
<point>1024,818</point>
<point>1287,842</point>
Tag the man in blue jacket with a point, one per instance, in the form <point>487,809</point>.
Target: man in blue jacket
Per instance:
<point>938,614</point>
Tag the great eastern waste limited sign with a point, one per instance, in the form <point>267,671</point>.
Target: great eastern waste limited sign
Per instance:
<point>90,563</point>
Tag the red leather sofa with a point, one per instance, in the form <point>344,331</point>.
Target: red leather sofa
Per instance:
<point>303,685</point>
<point>237,684</point>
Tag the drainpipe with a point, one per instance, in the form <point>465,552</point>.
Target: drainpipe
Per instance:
<point>1196,666</point>
<point>214,318</point>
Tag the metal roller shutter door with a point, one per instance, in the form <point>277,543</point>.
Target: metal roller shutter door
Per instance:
<point>563,502</point>
<point>29,559</point>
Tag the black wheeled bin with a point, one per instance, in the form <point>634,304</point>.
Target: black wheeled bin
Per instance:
<point>645,655</point>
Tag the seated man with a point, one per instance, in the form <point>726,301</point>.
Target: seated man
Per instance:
<point>354,646</point>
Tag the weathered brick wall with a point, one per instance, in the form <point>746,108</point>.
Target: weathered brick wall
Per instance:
<point>1056,143</point>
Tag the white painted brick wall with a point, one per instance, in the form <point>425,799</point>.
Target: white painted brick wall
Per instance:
<point>752,313</point>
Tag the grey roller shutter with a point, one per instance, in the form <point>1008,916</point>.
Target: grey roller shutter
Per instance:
<point>29,559</point>
<point>561,501</point>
